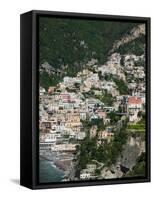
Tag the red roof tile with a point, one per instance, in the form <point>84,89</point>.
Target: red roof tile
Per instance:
<point>134,100</point>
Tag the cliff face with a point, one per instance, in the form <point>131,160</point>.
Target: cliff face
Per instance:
<point>134,34</point>
<point>128,160</point>
<point>132,150</point>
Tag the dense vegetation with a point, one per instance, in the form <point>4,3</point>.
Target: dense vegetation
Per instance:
<point>122,87</point>
<point>106,153</point>
<point>46,80</point>
<point>134,47</point>
<point>66,41</point>
<point>105,98</point>
<point>137,129</point>
<point>73,42</point>
<point>140,168</point>
<point>113,117</point>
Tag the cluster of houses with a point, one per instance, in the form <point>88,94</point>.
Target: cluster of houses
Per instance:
<point>64,108</point>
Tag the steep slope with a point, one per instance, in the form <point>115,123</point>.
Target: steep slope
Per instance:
<point>135,35</point>
<point>68,45</point>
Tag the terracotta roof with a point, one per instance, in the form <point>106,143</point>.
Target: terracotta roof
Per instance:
<point>134,100</point>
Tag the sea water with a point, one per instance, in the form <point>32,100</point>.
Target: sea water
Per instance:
<point>49,172</point>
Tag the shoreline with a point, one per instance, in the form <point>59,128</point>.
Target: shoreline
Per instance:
<point>56,165</point>
<point>62,164</point>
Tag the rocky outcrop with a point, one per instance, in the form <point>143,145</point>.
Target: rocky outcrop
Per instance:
<point>134,33</point>
<point>46,67</point>
<point>132,150</point>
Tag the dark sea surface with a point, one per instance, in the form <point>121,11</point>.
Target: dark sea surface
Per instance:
<point>49,173</point>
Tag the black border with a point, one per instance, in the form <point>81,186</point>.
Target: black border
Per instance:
<point>35,100</point>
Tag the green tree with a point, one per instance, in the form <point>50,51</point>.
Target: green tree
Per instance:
<point>122,86</point>
<point>114,117</point>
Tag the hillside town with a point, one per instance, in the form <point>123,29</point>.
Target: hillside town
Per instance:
<point>96,104</point>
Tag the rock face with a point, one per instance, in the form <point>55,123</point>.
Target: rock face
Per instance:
<point>135,33</point>
<point>112,172</point>
<point>133,148</point>
<point>46,67</point>
<point>129,156</point>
